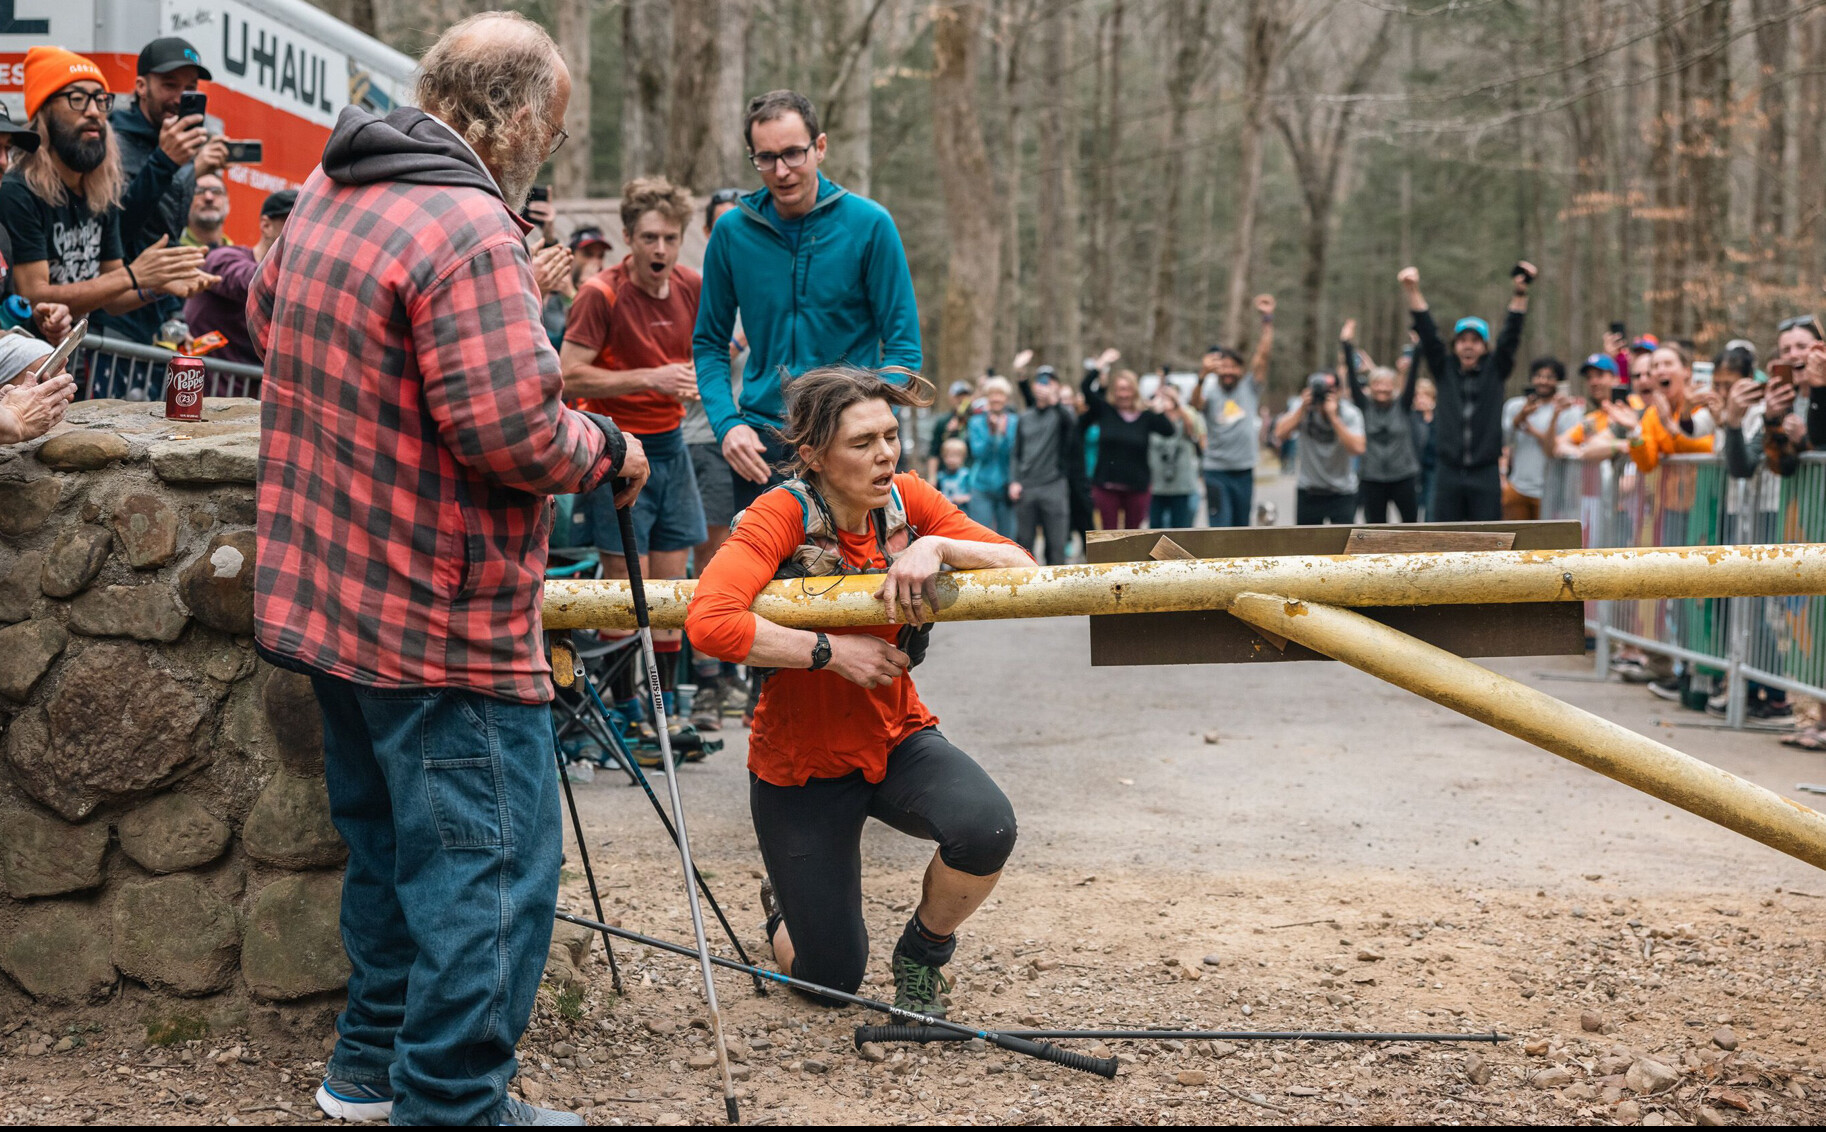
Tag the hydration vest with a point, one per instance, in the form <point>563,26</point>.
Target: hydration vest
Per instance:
<point>821,554</point>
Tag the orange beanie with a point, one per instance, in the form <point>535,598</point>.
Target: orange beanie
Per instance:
<point>50,69</point>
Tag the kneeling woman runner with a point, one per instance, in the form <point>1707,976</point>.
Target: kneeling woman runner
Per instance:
<point>840,734</point>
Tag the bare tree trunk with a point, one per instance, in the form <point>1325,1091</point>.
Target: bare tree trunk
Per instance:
<point>645,50</point>
<point>729,97</point>
<point>966,314</point>
<point>1011,18</point>
<point>696,64</point>
<point>1318,136</point>
<point>1769,222</point>
<point>1810,189</point>
<point>1056,267</point>
<point>1265,29</point>
<point>848,105</point>
<point>1108,146</point>
<point>1706,136</point>
<point>1664,305</point>
<point>571,165</point>
<point>1189,34</point>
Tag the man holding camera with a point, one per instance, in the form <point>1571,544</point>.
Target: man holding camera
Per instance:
<point>1532,424</point>
<point>1230,407</point>
<point>162,153</point>
<point>1468,484</point>
<point>1331,438</point>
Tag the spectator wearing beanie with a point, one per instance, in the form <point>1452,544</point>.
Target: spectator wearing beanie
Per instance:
<point>61,201</point>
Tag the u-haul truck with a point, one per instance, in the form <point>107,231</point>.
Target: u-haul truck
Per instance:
<point>283,70</point>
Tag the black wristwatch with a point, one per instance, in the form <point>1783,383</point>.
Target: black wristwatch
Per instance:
<point>821,652</point>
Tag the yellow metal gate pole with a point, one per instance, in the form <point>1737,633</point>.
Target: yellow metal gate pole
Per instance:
<point>1438,578</point>
<point>1589,740</point>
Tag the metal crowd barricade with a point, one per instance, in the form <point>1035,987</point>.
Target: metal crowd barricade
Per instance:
<point>115,368</point>
<point>1693,501</point>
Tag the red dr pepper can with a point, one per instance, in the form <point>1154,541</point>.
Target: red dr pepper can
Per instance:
<point>184,389</point>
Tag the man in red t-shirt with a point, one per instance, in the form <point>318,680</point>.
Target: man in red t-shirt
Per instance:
<point>627,355</point>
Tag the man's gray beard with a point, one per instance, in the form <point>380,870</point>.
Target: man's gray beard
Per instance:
<point>518,173</point>
<point>80,156</point>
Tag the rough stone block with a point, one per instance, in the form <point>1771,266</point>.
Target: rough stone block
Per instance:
<point>197,960</point>
<point>172,833</point>
<point>24,506</point>
<point>58,952</point>
<point>146,613</point>
<point>229,664</point>
<point>296,721</point>
<point>230,458</point>
<point>569,951</point>
<point>75,558</point>
<point>219,586</point>
<point>290,825</point>
<point>116,725</point>
<point>294,944</point>
<point>148,529</point>
<point>19,588</point>
<point>82,450</point>
<point>42,856</point>
<point>27,651</point>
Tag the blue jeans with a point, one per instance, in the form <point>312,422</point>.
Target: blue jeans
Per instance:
<point>992,509</point>
<point>448,801</point>
<point>1171,511</point>
<point>1229,498</point>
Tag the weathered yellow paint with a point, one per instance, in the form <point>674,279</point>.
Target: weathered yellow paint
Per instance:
<point>1442,578</point>
<point>1587,739</point>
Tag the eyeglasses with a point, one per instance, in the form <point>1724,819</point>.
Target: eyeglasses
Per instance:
<point>557,142</point>
<point>794,157</point>
<point>80,100</point>
<point>1806,321</point>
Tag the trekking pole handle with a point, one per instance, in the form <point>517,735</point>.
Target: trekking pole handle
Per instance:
<point>907,1034</point>
<point>624,519</point>
<point>1101,1066</point>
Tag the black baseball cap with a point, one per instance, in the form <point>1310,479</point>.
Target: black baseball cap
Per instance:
<point>279,203</point>
<point>25,137</point>
<point>168,53</point>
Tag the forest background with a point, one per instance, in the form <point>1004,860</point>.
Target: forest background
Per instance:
<point>1072,174</point>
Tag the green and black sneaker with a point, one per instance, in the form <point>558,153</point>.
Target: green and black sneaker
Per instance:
<point>917,987</point>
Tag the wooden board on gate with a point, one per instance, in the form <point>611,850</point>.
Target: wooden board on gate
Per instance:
<point>1214,637</point>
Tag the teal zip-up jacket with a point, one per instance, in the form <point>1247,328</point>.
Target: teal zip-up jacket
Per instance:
<point>844,296</point>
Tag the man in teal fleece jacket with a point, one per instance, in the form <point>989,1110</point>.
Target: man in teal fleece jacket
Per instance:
<point>816,273</point>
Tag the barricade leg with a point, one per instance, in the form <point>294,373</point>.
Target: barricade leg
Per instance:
<point>1572,733</point>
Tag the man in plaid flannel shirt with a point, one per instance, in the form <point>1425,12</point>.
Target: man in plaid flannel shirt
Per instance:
<point>412,429</point>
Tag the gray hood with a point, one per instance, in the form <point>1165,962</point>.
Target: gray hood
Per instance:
<point>407,146</point>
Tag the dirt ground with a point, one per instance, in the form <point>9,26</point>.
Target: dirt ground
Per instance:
<point>1251,847</point>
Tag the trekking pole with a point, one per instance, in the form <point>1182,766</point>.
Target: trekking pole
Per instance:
<point>1001,1039</point>
<point>640,779</point>
<point>624,518</point>
<point>928,1034</point>
<point>583,850</point>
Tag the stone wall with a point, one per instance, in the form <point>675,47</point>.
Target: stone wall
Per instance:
<point>163,818</point>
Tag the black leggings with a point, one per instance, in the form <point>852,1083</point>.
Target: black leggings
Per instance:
<point>1378,496</point>
<point>811,842</point>
<point>1466,495</point>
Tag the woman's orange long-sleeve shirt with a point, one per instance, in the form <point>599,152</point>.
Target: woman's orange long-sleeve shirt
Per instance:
<point>1659,440</point>
<point>815,724</point>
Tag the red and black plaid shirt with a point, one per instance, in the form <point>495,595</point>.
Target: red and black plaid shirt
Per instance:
<point>411,428</point>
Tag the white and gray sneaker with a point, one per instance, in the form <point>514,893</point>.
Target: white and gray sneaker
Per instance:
<point>517,1112</point>
<point>347,1100</point>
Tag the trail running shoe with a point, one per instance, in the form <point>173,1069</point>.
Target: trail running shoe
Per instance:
<point>346,1100</point>
<point>707,708</point>
<point>1669,689</point>
<point>517,1112</point>
<point>917,987</point>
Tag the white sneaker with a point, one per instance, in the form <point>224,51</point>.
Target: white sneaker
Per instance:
<point>347,1100</point>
